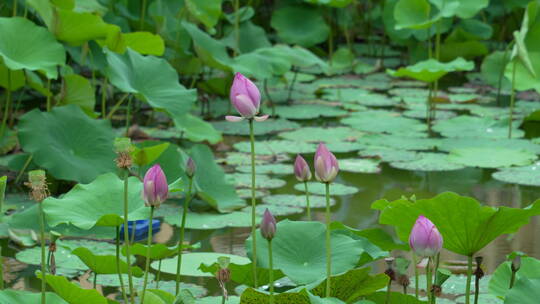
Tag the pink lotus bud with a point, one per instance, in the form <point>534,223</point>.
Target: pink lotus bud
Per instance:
<point>190,167</point>
<point>245,96</point>
<point>155,189</point>
<point>425,240</point>
<point>326,165</point>
<point>301,169</point>
<point>268,225</point>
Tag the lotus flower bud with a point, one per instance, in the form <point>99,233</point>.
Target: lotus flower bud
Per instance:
<point>301,169</point>
<point>246,99</point>
<point>155,189</point>
<point>425,240</point>
<point>37,182</point>
<point>123,148</point>
<point>268,225</point>
<point>190,167</point>
<point>326,165</point>
<point>223,275</point>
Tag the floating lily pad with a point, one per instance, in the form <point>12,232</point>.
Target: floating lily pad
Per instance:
<point>216,300</point>
<point>354,107</point>
<point>315,201</point>
<point>399,142</point>
<point>384,122</point>
<point>204,221</point>
<point>261,128</point>
<point>410,92</point>
<point>448,144</point>
<point>429,162</point>
<point>491,158</point>
<point>271,147</point>
<point>359,165</point>
<point>309,111</point>
<point>243,180</point>
<point>471,126</point>
<point>345,94</point>
<point>528,175</point>
<point>455,285</point>
<point>276,210</point>
<point>377,100</point>
<point>483,298</point>
<point>344,146</point>
<point>244,159</point>
<point>420,113</point>
<point>246,193</point>
<point>277,169</point>
<point>335,188</point>
<point>390,154</point>
<point>192,261</point>
<point>319,134</point>
<point>431,70</point>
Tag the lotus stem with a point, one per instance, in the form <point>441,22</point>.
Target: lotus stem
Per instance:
<point>328,248</point>
<point>429,278</point>
<point>501,74</point>
<point>416,287</point>
<point>8,104</point>
<point>271,273</point>
<point>148,246</point>
<point>124,295</point>
<point>3,181</point>
<point>104,98</point>
<point>388,291</point>
<point>291,86</point>
<point>307,201</point>
<point>126,237</point>
<point>49,94</point>
<point>143,13</point>
<point>469,274</point>
<point>95,280</point>
<point>43,256</point>
<point>512,279</point>
<point>236,27</point>
<point>253,203</point>
<point>158,275</point>
<point>182,230</point>
<point>267,92</point>
<point>512,99</point>
<point>1,270</point>
<point>435,271</point>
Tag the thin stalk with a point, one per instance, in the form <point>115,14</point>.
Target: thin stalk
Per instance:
<point>307,201</point>
<point>8,104</point>
<point>25,166</point>
<point>435,269</point>
<point>182,230</point>
<point>512,99</point>
<point>236,27</point>
<point>272,105</point>
<point>271,273</point>
<point>49,94</point>
<point>15,4</point>
<point>388,291</point>
<point>291,86</point>
<point>1,270</point>
<point>330,38</point>
<point>117,105</point>
<point>126,237</point>
<point>512,279</point>
<point>43,256</point>
<point>428,110</point>
<point>328,249</point>
<point>416,287</point>
<point>95,280</point>
<point>476,288</point>
<point>104,98</point>
<point>253,203</point>
<point>148,245</point>
<point>143,13</point>
<point>128,114</point>
<point>124,295</point>
<point>223,299</point>
<point>158,275</point>
<point>501,74</point>
<point>429,279</point>
<point>469,274</point>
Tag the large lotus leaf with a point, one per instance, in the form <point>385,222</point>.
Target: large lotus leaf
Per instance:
<point>413,14</point>
<point>319,134</point>
<point>196,129</point>
<point>432,70</point>
<point>78,90</point>
<point>428,161</point>
<point>192,261</point>
<point>524,80</point>
<point>384,122</point>
<point>73,293</point>
<point>206,11</point>
<point>299,251</point>
<point>320,189</point>
<point>104,264</point>
<point>492,67</point>
<point>152,78</point>
<point>466,226</point>
<point>462,8</point>
<point>101,200</point>
<point>307,31</point>
<point>271,61</point>
<point>24,45</point>
<point>13,296</point>
<point>272,147</point>
<point>212,52</point>
<point>475,127</point>
<point>17,80</point>
<point>491,158</point>
<point>525,291</point>
<point>449,144</point>
<point>261,128</point>
<point>68,143</point>
<point>499,283</point>
<point>143,42</point>
<point>251,295</point>
<point>251,37</point>
<point>206,220</point>
<point>528,175</point>
<point>243,274</point>
<point>301,57</point>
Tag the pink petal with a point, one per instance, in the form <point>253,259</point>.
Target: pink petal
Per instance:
<point>261,118</point>
<point>234,118</point>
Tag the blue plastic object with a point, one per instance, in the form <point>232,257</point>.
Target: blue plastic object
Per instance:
<point>141,229</point>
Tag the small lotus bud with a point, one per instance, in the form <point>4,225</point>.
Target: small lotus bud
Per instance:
<point>425,240</point>
<point>38,185</point>
<point>223,275</point>
<point>268,225</point>
<point>326,165</point>
<point>155,188</point>
<point>403,280</point>
<point>516,263</point>
<point>390,269</point>
<point>301,169</point>
<point>190,167</point>
<point>123,148</point>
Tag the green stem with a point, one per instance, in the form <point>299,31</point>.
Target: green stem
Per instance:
<point>271,273</point>
<point>512,99</point>
<point>512,279</point>
<point>469,274</point>
<point>128,113</point>
<point>124,295</point>
<point>126,237</point>
<point>416,287</point>
<point>25,166</point>
<point>388,291</point>
<point>8,104</point>
<point>328,249</point>
<point>158,275</point>
<point>117,105</point>
<point>428,110</point>
<point>95,280</point>
<point>307,201</point>
<point>236,27</point>
<point>104,98</point>
<point>49,94</point>
<point>291,86</point>
<point>253,203</point>
<point>267,92</point>
<point>182,231</point>
<point>1,270</point>
<point>43,256</point>
<point>223,299</point>
<point>15,4</point>
<point>143,13</point>
<point>330,39</point>
<point>429,280</point>
<point>501,74</point>
<point>148,246</point>
<point>435,271</point>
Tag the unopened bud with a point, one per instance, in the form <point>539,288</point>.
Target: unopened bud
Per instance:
<point>123,149</point>
<point>403,280</point>
<point>516,263</point>
<point>390,269</point>
<point>37,183</point>
<point>223,275</point>
<point>268,225</point>
<point>190,167</point>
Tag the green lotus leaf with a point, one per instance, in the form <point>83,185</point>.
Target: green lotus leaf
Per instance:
<point>147,155</point>
<point>315,201</point>
<point>196,129</point>
<point>67,143</point>
<point>528,175</point>
<point>266,127</point>
<point>331,3</point>
<point>152,78</point>
<point>395,297</point>
<point>384,122</point>
<point>500,281</point>
<point>13,296</point>
<point>462,8</point>
<point>475,127</point>
<point>251,295</point>
<point>214,300</point>
<point>413,14</point>
<point>319,134</point>
<point>243,274</point>
<point>299,251</point>
<point>73,293</point>
<point>525,291</point>
<point>466,226</point>
<point>491,158</point>
<point>271,147</point>
<point>428,161</point>
<point>17,78</point>
<point>449,144</point>
<point>192,261</point>
<point>102,202</point>
<point>308,111</point>
<point>204,220</point>
<point>335,188</point>
<point>432,70</point>
<point>206,11</point>
<point>78,90</point>
<point>243,180</point>
<point>307,31</point>
<point>157,251</point>
<point>209,50</point>
<point>272,169</point>
<point>104,264</point>
<point>24,45</point>
<point>276,210</point>
<point>359,165</point>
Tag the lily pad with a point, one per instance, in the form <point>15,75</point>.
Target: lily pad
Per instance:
<point>244,159</point>
<point>345,95</point>
<point>499,283</point>
<point>13,296</point>
<point>384,122</point>
<point>261,128</point>
<point>528,175</point>
<point>192,261</point>
<point>204,221</point>
<point>471,126</point>
<point>377,100</point>
<point>102,201</point>
<point>319,134</point>
<point>449,144</point>
<point>491,158</point>
<point>104,264</point>
<point>429,162</point>
<point>271,147</point>
<point>400,142</point>
<point>308,111</point>
<point>389,154</point>
<point>276,210</point>
<point>277,169</point>
<point>68,143</point>
<point>359,165</point>
<point>431,70</point>
<point>315,201</point>
<point>335,188</point>
<point>307,32</point>
<point>243,180</point>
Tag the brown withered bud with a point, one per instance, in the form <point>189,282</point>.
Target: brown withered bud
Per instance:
<point>37,183</point>
<point>403,280</point>
<point>389,268</point>
<point>479,273</point>
<point>436,290</point>
<point>123,149</point>
<point>223,275</point>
